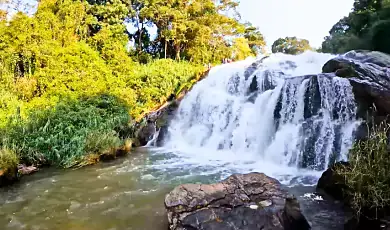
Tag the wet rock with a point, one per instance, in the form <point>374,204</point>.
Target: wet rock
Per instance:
<point>265,84</point>
<point>164,119</point>
<point>242,201</point>
<point>27,170</point>
<point>253,67</point>
<point>332,183</point>
<point>157,121</point>
<point>146,133</point>
<point>369,74</point>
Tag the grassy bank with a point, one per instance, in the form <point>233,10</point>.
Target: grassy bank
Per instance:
<point>367,179</point>
<point>72,126</point>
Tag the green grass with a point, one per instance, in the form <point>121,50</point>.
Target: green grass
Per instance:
<point>61,121</point>
<point>368,177</point>
<point>63,135</point>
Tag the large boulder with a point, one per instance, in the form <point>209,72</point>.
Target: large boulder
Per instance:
<point>242,201</point>
<point>332,183</point>
<point>369,74</point>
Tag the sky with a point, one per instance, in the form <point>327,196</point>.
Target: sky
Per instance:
<point>308,19</point>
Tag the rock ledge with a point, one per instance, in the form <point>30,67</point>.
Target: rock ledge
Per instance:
<point>242,201</point>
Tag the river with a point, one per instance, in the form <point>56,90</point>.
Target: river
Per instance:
<point>127,193</point>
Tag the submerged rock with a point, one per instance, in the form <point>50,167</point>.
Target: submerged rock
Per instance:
<point>242,201</point>
<point>254,67</point>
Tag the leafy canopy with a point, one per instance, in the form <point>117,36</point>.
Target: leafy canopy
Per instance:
<point>290,45</point>
<point>366,27</point>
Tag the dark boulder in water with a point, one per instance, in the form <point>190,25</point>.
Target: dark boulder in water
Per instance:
<point>333,183</point>
<point>146,133</point>
<point>242,201</point>
<point>157,121</point>
<point>369,74</point>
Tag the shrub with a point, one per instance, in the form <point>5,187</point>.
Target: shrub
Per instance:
<point>61,136</point>
<point>8,161</point>
<point>368,177</point>
<point>102,142</point>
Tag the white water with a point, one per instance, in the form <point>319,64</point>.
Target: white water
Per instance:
<point>222,127</point>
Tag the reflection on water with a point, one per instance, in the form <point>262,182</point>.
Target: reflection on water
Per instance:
<point>124,194</point>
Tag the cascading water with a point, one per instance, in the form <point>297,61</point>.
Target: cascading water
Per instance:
<point>277,115</point>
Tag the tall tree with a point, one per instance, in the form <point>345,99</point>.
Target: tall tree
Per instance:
<point>290,45</point>
<point>366,27</point>
<point>197,30</point>
<point>255,39</point>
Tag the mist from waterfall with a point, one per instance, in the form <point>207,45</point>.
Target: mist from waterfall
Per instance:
<point>279,116</point>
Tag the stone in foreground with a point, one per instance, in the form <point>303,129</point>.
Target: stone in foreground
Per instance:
<point>242,201</point>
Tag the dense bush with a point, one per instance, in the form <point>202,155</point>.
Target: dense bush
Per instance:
<point>65,134</point>
<point>368,177</point>
<point>57,68</point>
<point>8,161</point>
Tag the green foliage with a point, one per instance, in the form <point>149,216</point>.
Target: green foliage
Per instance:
<point>255,39</point>
<point>366,27</point>
<point>241,49</point>
<point>56,64</point>
<point>368,178</point>
<point>102,142</point>
<point>198,30</point>
<point>60,135</point>
<point>54,68</point>
<point>290,45</point>
<point>8,160</point>
<point>380,34</point>
<point>154,82</point>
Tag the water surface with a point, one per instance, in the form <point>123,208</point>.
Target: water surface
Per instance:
<point>124,194</point>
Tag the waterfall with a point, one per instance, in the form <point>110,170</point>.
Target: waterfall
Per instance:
<point>281,112</point>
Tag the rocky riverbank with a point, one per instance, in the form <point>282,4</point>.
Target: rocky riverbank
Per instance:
<point>242,201</point>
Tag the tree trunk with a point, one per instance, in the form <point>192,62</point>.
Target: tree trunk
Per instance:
<point>165,49</point>
<point>177,50</point>
<point>140,37</point>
